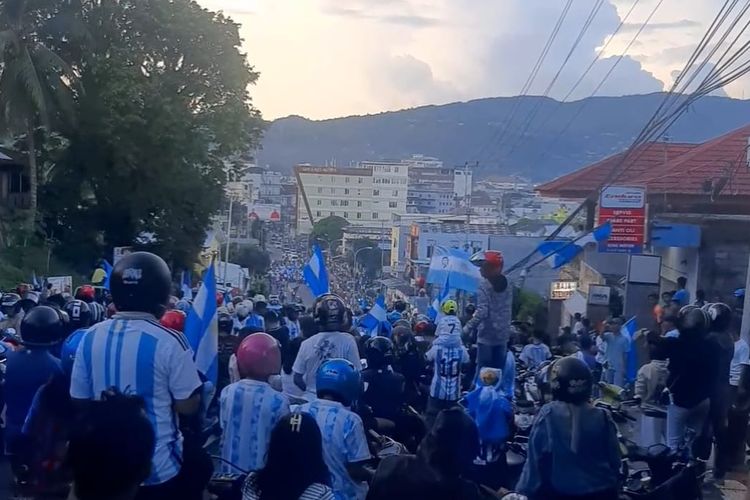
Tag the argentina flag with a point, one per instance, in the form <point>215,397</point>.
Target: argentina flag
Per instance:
<point>316,274</point>
<point>202,329</point>
<point>454,265</point>
<point>186,286</point>
<point>434,311</point>
<point>375,317</point>
<point>561,252</point>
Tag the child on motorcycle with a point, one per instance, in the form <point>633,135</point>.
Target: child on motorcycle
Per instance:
<point>573,448</point>
<point>250,407</point>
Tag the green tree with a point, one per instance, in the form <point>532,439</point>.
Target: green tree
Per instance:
<point>37,87</point>
<point>529,305</point>
<point>329,229</point>
<point>369,256</point>
<point>255,259</point>
<point>166,103</point>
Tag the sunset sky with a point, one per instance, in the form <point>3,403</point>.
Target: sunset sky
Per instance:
<point>329,58</point>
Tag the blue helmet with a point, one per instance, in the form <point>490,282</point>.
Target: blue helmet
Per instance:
<point>393,316</point>
<point>340,379</point>
<point>69,348</point>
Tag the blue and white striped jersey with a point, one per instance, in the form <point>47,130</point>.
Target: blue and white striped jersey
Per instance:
<point>255,320</point>
<point>249,410</point>
<point>448,355</point>
<point>344,442</point>
<point>133,353</point>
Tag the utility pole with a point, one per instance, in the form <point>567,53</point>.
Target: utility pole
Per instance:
<point>229,239</point>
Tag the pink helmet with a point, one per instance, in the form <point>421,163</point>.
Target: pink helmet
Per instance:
<point>259,356</point>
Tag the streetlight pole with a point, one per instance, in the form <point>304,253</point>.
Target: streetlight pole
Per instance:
<point>229,240</point>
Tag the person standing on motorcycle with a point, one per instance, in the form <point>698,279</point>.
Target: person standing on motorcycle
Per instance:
<point>573,449</point>
<point>492,317</point>
<point>28,369</point>
<point>332,341</point>
<point>448,324</point>
<point>345,450</point>
<point>133,352</point>
<point>447,355</point>
<point>250,408</point>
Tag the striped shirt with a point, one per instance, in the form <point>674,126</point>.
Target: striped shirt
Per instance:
<point>255,321</point>
<point>316,491</point>
<point>250,409</point>
<point>344,442</point>
<point>133,353</point>
<point>447,356</point>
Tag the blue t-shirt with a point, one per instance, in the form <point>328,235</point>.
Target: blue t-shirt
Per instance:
<point>26,371</point>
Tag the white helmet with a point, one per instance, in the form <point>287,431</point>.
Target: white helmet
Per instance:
<point>260,298</point>
<point>243,309</point>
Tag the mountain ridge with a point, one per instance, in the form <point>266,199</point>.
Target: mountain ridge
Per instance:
<point>470,131</point>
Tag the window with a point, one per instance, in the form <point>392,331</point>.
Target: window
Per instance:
<point>332,214</point>
<point>346,190</point>
<point>333,190</point>
<point>344,203</point>
<point>320,190</point>
<point>359,203</point>
<point>395,169</point>
<point>317,213</point>
<point>334,203</point>
<point>320,202</point>
<point>376,192</point>
<point>374,215</point>
<point>359,180</point>
<point>359,215</point>
<point>395,193</point>
<point>346,180</point>
<point>346,215</point>
<point>392,204</point>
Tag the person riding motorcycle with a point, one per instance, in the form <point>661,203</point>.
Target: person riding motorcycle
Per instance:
<point>573,449</point>
<point>9,306</point>
<point>79,314</point>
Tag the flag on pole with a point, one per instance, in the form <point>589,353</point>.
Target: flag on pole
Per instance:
<point>631,363</point>
<point>434,311</point>
<point>561,252</point>
<point>202,328</point>
<point>375,317</point>
<point>316,274</point>
<point>107,274</point>
<point>453,264</point>
<point>186,286</point>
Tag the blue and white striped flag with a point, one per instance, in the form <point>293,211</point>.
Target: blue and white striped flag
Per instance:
<point>107,274</point>
<point>434,311</point>
<point>316,274</point>
<point>202,328</point>
<point>375,317</point>
<point>561,252</point>
<point>631,364</point>
<point>454,265</point>
<point>186,286</point>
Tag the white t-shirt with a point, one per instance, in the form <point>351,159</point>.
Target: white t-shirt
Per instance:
<point>448,325</point>
<point>322,347</point>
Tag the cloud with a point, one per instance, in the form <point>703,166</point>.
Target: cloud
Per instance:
<point>651,27</point>
<point>405,19</point>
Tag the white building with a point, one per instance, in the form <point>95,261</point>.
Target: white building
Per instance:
<point>390,181</point>
<point>325,191</point>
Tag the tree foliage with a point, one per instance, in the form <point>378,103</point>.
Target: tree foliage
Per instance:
<point>166,102</point>
<point>329,229</point>
<point>369,256</point>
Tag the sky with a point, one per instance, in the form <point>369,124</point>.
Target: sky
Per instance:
<point>330,58</point>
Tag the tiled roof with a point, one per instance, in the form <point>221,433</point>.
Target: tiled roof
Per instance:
<point>720,161</point>
<point>648,159</point>
<point>719,167</point>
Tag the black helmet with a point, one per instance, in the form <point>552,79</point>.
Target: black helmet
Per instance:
<point>331,314</point>
<point>379,352</point>
<point>692,321</point>
<point>226,323</point>
<point>570,380</point>
<point>42,326</point>
<point>10,301</point>
<point>720,315</point>
<point>141,281</point>
<point>79,313</point>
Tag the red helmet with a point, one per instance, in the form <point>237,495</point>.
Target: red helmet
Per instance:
<point>174,319</point>
<point>259,356</point>
<point>492,258</point>
<point>86,293</point>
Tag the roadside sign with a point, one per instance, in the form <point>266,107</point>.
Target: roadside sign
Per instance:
<point>561,290</point>
<point>120,252</point>
<point>61,284</point>
<point>599,295</point>
<point>625,208</point>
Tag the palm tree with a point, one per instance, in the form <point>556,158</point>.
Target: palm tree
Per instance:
<point>36,85</point>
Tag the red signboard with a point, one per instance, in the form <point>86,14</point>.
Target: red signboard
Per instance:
<point>625,208</point>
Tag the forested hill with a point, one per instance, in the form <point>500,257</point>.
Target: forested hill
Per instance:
<point>476,131</point>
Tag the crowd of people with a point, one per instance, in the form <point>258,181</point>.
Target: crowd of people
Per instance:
<point>102,392</point>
